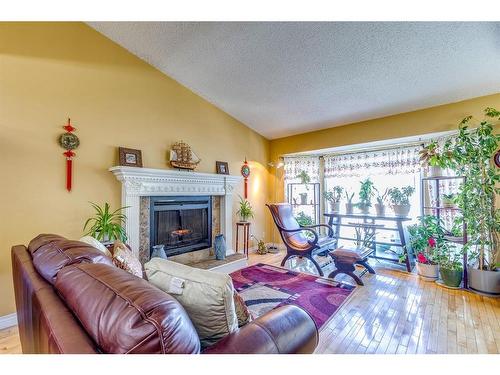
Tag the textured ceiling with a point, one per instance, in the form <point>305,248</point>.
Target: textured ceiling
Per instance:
<point>287,78</point>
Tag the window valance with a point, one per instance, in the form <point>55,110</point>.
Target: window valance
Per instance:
<point>295,165</point>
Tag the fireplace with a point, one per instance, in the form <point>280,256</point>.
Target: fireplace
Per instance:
<point>182,224</point>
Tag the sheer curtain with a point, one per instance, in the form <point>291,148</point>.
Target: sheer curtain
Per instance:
<point>297,164</point>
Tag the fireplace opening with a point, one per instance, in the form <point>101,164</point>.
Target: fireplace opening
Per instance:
<point>181,224</point>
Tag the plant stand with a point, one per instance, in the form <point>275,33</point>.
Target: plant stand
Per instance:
<point>246,235</point>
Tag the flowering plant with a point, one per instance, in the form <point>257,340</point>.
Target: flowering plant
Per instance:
<point>426,238</point>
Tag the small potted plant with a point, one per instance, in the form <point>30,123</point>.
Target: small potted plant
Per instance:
<point>349,206</point>
<point>381,199</point>
<point>449,201</point>
<point>434,160</point>
<point>303,219</point>
<point>425,239</point>
<point>366,192</point>
<point>450,265</point>
<point>245,211</point>
<point>400,200</point>
<point>106,226</point>
<point>333,198</point>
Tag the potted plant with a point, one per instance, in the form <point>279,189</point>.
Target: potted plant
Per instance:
<point>450,265</point>
<point>303,219</point>
<point>349,205</point>
<point>425,239</point>
<point>106,226</point>
<point>434,160</point>
<point>472,153</point>
<point>366,192</point>
<point>245,211</point>
<point>449,201</point>
<point>400,200</point>
<point>381,199</point>
<point>333,198</point>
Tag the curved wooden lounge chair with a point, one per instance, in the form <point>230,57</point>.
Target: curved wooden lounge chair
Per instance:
<point>293,236</point>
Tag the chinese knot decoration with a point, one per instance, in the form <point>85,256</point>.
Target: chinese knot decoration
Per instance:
<point>245,172</point>
<point>69,141</point>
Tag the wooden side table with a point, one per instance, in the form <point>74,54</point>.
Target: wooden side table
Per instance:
<point>246,235</point>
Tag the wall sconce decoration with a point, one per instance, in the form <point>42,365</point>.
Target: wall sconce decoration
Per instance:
<point>245,172</point>
<point>69,141</point>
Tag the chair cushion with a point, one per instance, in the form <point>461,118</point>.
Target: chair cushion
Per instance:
<point>347,254</point>
<point>283,216</point>
<point>207,296</point>
<point>125,314</point>
<point>51,253</point>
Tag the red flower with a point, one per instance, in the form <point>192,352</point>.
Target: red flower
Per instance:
<point>421,258</point>
<point>432,242</point>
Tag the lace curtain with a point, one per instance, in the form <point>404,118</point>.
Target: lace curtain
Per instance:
<point>295,165</point>
<point>401,160</point>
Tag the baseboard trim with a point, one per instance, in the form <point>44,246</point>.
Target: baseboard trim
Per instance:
<point>7,321</point>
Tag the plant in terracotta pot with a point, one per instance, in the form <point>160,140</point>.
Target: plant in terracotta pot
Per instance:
<point>333,198</point>
<point>450,259</point>
<point>245,211</point>
<point>472,151</point>
<point>349,205</point>
<point>366,193</point>
<point>381,200</point>
<point>400,200</point>
<point>106,226</point>
<point>426,238</point>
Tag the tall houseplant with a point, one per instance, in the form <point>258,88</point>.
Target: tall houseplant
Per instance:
<point>471,156</point>
<point>105,225</point>
<point>366,193</point>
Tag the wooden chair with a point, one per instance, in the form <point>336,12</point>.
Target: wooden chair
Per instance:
<point>292,234</point>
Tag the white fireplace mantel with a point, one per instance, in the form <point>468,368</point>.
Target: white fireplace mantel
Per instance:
<point>137,182</point>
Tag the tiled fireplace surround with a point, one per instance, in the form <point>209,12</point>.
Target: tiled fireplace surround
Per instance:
<point>139,184</point>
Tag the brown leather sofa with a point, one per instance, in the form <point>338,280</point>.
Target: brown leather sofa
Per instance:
<point>70,298</point>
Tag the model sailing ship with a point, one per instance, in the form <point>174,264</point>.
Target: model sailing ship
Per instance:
<point>181,156</point>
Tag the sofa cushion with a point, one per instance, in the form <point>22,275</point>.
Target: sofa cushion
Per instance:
<point>207,296</point>
<point>125,314</point>
<point>51,253</point>
<point>124,259</point>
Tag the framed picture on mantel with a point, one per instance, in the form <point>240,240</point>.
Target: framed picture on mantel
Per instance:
<point>130,157</point>
<point>222,167</point>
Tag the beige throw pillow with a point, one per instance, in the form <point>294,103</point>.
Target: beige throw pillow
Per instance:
<point>124,259</point>
<point>206,296</point>
<point>95,243</point>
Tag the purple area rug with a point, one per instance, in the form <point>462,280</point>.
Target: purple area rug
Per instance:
<point>264,287</point>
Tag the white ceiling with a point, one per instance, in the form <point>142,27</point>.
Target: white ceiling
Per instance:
<point>287,78</point>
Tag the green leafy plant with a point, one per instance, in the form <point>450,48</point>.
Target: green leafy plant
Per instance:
<point>431,156</point>
<point>426,238</point>
<point>366,192</point>
<point>106,225</point>
<point>472,150</point>
<point>449,257</point>
<point>303,219</point>
<point>448,199</point>
<point>401,196</point>
<point>304,177</point>
<point>245,211</point>
<point>334,194</point>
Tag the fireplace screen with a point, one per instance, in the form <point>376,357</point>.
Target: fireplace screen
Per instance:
<point>181,224</point>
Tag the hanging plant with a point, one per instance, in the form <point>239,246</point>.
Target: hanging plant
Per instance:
<point>304,177</point>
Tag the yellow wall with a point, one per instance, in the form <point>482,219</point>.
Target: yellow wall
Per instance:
<point>49,71</point>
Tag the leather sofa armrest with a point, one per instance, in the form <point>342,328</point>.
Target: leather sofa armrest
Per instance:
<point>285,330</point>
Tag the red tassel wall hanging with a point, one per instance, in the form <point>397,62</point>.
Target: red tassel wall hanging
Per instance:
<point>69,141</point>
<point>245,172</point>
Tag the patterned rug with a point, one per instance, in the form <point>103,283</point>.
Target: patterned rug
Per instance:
<point>264,287</point>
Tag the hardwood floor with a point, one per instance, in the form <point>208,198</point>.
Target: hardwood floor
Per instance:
<point>394,313</point>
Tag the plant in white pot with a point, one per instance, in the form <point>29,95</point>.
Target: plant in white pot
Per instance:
<point>245,211</point>
<point>400,200</point>
<point>366,193</point>
<point>106,226</point>
<point>333,198</point>
<point>472,151</point>
<point>381,200</point>
<point>349,206</point>
<point>425,239</point>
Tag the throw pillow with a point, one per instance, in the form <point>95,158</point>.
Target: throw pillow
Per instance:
<point>243,314</point>
<point>97,244</point>
<point>124,259</point>
<point>207,296</point>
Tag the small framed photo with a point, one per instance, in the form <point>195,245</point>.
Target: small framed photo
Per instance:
<point>130,157</point>
<point>222,167</point>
